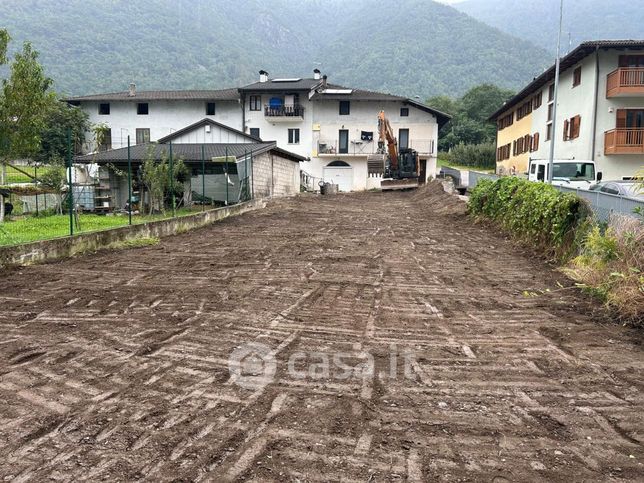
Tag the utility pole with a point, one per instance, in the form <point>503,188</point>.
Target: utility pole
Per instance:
<point>553,135</point>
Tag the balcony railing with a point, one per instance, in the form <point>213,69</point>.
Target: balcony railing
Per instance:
<point>625,81</point>
<point>358,147</point>
<point>284,111</point>
<point>624,141</point>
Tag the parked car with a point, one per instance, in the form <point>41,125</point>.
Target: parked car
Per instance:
<point>631,189</point>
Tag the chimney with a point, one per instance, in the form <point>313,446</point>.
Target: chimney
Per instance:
<point>316,74</point>
<point>263,76</point>
<point>324,81</point>
<point>132,91</point>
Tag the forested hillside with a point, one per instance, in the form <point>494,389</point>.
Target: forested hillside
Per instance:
<point>538,20</point>
<point>417,48</point>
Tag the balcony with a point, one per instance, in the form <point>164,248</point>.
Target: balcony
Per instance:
<point>285,112</point>
<point>624,141</point>
<point>358,147</point>
<point>625,81</point>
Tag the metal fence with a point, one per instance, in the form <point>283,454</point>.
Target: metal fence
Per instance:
<point>602,204</point>
<point>92,197</point>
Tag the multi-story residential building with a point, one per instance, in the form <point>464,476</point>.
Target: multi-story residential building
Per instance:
<point>150,115</point>
<point>334,127</point>
<point>600,112</point>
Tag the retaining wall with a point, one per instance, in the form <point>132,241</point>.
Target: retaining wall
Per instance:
<point>48,250</point>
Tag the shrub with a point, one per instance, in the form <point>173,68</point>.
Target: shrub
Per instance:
<point>475,155</point>
<point>535,212</point>
<point>607,261</point>
<point>611,266</point>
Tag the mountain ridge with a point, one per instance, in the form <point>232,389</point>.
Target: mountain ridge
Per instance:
<point>423,48</point>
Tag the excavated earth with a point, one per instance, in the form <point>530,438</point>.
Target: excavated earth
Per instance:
<point>359,337</point>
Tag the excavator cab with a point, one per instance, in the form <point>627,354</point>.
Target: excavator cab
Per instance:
<point>401,167</point>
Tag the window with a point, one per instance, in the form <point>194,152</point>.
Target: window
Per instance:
<point>631,60</point>
<point>550,109</point>
<point>104,109</point>
<point>535,143</point>
<point>142,108</point>
<point>254,131</point>
<point>210,108</point>
<point>571,128</point>
<point>524,110</point>
<point>404,112</point>
<point>505,121</point>
<point>536,101</point>
<point>403,138</point>
<point>142,136</point>
<point>106,142</point>
<point>343,147</point>
<point>630,119</point>
<point>576,77</point>
<point>549,131</point>
<point>551,93</point>
<point>503,152</point>
<point>294,136</point>
<point>345,108</point>
<point>255,103</point>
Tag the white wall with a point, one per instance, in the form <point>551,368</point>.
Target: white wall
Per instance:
<point>276,129</point>
<point>618,165</point>
<point>164,117</point>
<point>580,100</point>
<point>216,135</point>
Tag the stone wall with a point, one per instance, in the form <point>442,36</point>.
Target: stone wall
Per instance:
<point>48,250</point>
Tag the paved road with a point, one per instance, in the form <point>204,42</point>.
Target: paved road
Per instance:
<point>373,337</point>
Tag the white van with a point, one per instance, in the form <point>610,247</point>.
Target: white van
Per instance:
<point>574,173</point>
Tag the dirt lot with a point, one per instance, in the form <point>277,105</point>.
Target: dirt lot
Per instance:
<point>115,366</point>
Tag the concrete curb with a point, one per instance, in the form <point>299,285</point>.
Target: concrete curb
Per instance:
<point>57,248</point>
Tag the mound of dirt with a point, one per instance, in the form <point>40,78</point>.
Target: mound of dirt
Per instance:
<point>441,202</point>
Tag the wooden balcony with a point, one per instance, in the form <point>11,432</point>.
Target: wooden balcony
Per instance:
<point>625,81</point>
<point>624,141</point>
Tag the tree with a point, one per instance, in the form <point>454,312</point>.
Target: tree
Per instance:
<point>155,178</point>
<point>59,119</point>
<point>24,101</point>
<point>470,113</point>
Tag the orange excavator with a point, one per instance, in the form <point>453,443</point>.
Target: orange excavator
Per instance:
<point>400,168</point>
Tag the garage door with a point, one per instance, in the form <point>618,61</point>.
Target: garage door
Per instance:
<point>342,176</point>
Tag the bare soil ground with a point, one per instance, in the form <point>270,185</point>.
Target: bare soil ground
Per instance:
<point>115,366</point>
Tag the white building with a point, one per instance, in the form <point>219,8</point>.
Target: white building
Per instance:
<point>334,127</point>
<point>150,115</point>
<point>600,112</point>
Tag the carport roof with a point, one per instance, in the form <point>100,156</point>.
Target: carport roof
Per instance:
<point>190,153</point>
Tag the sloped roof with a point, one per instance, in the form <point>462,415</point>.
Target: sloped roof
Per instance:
<point>366,95</point>
<point>582,51</point>
<point>195,95</point>
<point>204,122</point>
<point>190,153</point>
<point>274,85</point>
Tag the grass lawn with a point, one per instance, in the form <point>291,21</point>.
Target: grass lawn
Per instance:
<point>31,228</point>
<point>12,175</point>
<point>447,164</point>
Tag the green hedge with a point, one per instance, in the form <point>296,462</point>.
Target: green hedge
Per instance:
<point>474,155</point>
<point>534,212</point>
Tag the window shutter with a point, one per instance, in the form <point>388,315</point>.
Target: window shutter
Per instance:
<point>621,118</point>
<point>535,141</point>
<point>565,130</point>
<point>576,127</point>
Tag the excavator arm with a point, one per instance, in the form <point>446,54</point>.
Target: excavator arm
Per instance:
<point>386,134</point>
